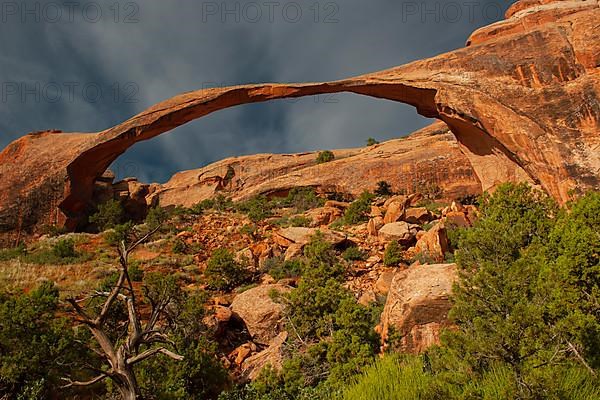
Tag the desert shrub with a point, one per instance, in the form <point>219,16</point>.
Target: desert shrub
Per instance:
<point>424,258</point>
<point>301,199</point>
<point>179,246</point>
<point>221,203</point>
<point>119,233</point>
<point>199,208</point>
<point>37,347</point>
<point>156,216</point>
<point>257,208</point>
<point>430,191</point>
<point>60,253</point>
<point>522,303</point>
<point>393,254</point>
<point>359,210</point>
<point>325,157</point>
<point>392,379</point>
<point>336,333</point>
<point>53,230</point>
<point>353,254</point>
<point>279,268</point>
<point>136,274</point>
<point>371,142</point>
<point>200,375</point>
<point>13,253</point>
<point>249,230</point>
<point>299,221</point>
<point>108,215</point>
<point>223,272</point>
<point>383,189</point>
<point>64,248</point>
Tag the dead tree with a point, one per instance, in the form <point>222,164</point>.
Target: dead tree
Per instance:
<point>143,340</point>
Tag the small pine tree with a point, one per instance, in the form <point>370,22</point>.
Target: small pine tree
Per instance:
<point>109,215</point>
<point>325,157</point>
<point>383,189</point>
<point>371,142</point>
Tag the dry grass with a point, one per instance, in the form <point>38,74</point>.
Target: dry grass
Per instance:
<point>71,279</point>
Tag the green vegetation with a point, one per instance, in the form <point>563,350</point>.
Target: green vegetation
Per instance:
<point>257,208</point>
<point>371,142</point>
<point>223,272</point>
<point>37,348</point>
<point>353,254</point>
<point>393,379</point>
<point>179,246</point>
<point>332,337</point>
<point>62,252</point>
<point>278,268</point>
<point>250,230</point>
<point>156,217</point>
<point>359,210</point>
<point>200,375</point>
<point>392,256</point>
<point>525,307</point>
<point>13,253</point>
<point>383,189</point>
<point>300,199</point>
<point>135,272</point>
<point>109,215</point>
<point>296,220</point>
<point>64,248</point>
<point>220,203</point>
<point>325,157</point>
<point>526,317</point>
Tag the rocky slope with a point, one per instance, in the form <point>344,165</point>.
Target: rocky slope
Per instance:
<point>521,99</point>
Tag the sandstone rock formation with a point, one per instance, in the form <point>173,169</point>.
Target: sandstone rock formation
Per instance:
<point>302,236</point>
<point>417,307</point>
<point>271,356</point>
<point>262,315</point>
<point>521,99</point>
<point>434,243</point>
<point>402,232</point>
<point>429,156</point>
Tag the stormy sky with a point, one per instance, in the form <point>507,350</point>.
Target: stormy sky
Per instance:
<point>84,66</point>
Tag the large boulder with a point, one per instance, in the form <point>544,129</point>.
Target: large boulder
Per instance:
<point>303,236</point>
<point>261,314</point>
<point>374,225</point>
<point>434,243</point>
<point>416,309</point>
<point>402,232</point>
<point>418,215</point>
<point>395,209</point>
<point>323,216</point>
<point>271,356</point>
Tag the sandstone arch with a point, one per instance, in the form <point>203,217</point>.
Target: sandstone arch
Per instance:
<point>522,99</point>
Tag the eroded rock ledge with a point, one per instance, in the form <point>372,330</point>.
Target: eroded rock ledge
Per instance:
<point>521,99</point>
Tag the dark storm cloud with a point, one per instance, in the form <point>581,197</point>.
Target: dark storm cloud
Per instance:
<point>91,65</point>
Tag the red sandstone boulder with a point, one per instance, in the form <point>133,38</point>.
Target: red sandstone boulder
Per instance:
<point>402,232</point>
<point>272,356</point>
<point>417,307</point>
<point>433,244</point>
<point>262,315</point>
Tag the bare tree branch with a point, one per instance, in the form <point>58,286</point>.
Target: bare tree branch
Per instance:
<point>149,353</point>
<point>120,354</point>
<point>580,358</point>
<point>95,380</point>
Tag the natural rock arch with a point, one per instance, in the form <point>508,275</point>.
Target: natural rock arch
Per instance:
<point>535,118</point>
